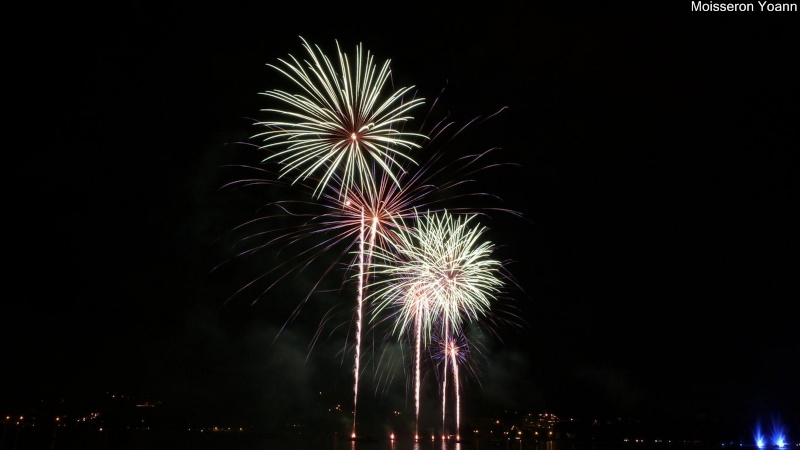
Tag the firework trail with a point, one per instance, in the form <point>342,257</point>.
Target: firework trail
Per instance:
<point>344,122</point>
<point>453,353</point>
<point>444,382</point>
<point>439,262</point>
<point>420,303</point>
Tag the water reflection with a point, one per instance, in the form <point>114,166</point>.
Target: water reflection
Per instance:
<point>339,443</point>
<point>424,444</point>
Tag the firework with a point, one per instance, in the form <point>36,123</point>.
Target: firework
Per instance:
<point>341,136</point>
<point>443,256</point>
<point>344,121</point>
<point>439,271</point>
<point>328,227</point>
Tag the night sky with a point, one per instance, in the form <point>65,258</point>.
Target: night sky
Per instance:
<point>653,156</point>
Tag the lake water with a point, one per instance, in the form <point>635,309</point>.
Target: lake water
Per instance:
<point>318,443</point>
<point>38,440</point>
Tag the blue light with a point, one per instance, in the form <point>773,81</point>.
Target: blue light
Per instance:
<point>777,438</point>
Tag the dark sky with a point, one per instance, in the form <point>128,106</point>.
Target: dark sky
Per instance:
<point>656,167</point>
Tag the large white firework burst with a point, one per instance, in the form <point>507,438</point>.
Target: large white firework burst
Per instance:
<point>345,119</point>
